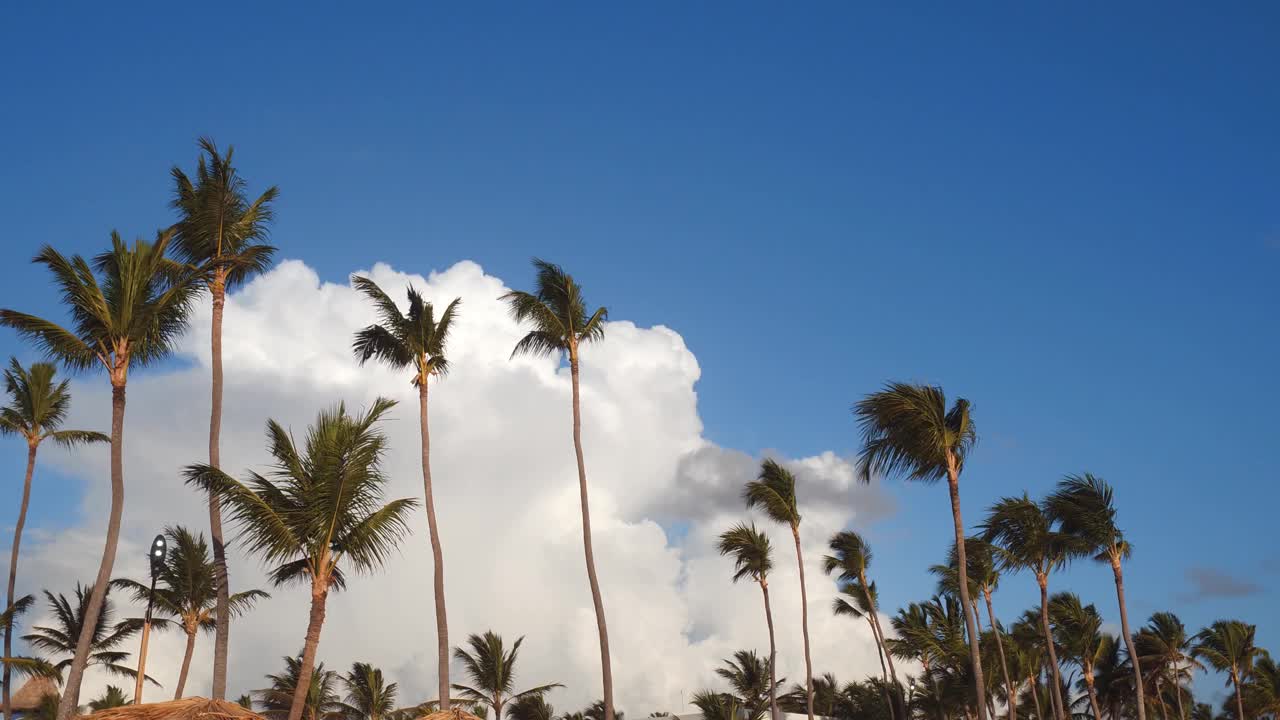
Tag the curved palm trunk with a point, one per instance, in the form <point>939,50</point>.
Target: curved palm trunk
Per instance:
<point>68,706</point>
<point>896,710</point>
<point>13,573</point>
<point>773,655</point>
<point>1093,694</point>
<point>1035,695</point>
<point>971,625</point>
<point>186,665</point>
<point>804,624</point>
<point>884,672</point>
<point>442,623</point>
<point>1177,694</point>
<point>1235,683</point>
<point>606,667</point>
<point>1004,665</point>
<point>222,619</point>
<point>299,704</point>
<point>1128,636</point>
<point>1059,710</point>
<point>1160,701</point>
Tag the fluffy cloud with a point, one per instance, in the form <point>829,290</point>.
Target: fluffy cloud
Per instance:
<point>506,494</point>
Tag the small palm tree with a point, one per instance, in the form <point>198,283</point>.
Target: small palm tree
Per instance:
<point>531,707</point>
<point>1025,539</point>
<point>112,697</point>
<point>560,322</point>
<point>909,430</point>
<point>1078,630</point>
<point>718,706</point>
<point>492,669</point>
<point>753,559</point>
<point>774,492</point>
<point>415,340</point>
<point>1084,506</point>
<point>850,556</point>
<point>319,699</point>
<point>1228,647</point>
<point>1165,644</point>
<point>38,405</point>
<point>916,640</point>
<point>368,695</point>
<point>857,601</point>
<point>186,590</point>
<point>126,315</point>
<point>319,510</point>
<point>223,233</point>
<point>21,665</point>
<point>752,678</point>
<point>70,622</point>
<point>595,711</point>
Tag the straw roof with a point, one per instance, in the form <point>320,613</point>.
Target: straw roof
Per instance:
<point>192,708</point>
<point>450,714</point>
<point>29,695</point>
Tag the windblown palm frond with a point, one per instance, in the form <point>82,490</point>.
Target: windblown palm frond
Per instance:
<point>368,695</point>
<point>751,552</point>
<point>58,640</point>
<point>557,312</point>
<point>491,668</point>
<point>774,492</point>
<point>908,430</point>
<point>413,339</point>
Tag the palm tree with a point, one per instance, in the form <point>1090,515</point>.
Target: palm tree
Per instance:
<point>752,678</point>
<point>774,492</point>
<point>916,640</point>
<point>1084,506</point>
<point>1027,658</point>
<point>908,430</point>
<point>531,707</point>
<point>128,315</point>
<point>857,601</point>
<point>1165,644</point>
<point>1228,647</point>
<point>319,700</point>
<point>369,696</point>
<point>850,555</point>
<point>718,706</point>
<point>1078,630</point>
<point>492,669</point>
<point>186,590</point>
<point>1025,539</point>
<point>1262,691</point>
<point>70,622</point>
<point>558,314</point>
<point>22,665</point>
<point>415,340</point>
<point>37,408</point>
<point>752,558</point>
<point>224,234</point>
<point>112,697</point>
<point>320,507</point>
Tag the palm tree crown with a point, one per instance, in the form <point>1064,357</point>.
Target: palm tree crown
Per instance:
<point>1024,537</point>
<point>908,430</point>
<point>322,701</point>
<point>774,492</point>
<point>492,669</point>
<point>1084,507</point>
<point>59,639</point>
<point>1228,647</point>
<point>414,339</point>
<point>38,405</point>
<point>368,695</point>
<point>558,313</point>
<point>751,551</point>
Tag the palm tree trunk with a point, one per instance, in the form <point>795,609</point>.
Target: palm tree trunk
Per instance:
<point>1160,701</point>
<point>1128,636</point>
<point>1004,665</point>
<point>1035,695</point>
<point>895,711</point>
<point>68,707</point>
<point>13,570</point>
<point>953,483</point>
<point>222,619</point>
<point>773,655</point>
<point>804,624</point>
<point>1177,694</point>
<point>606,667</point>
<point>442,623</point>
<point>1093,694</point>
<point>1235,683</point>
<point>186,665</point>
<point>1059,710</point>
<point>299,704</point>
<point>884,673</point>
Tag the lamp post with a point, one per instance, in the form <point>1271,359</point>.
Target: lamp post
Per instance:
<point>156,555</point>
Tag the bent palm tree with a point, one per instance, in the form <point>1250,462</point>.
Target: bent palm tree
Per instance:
<point>1078,630</point>
<point>1084,507</point>
<point>37,408</point>
<point>558,313</point>
<point>126,315</point>
<point>492,669</point>
<point>320,509</point>
<point>1228,647</point>
<point>415,340</point>
<point>186,591</point>
<point>909,430</point>
<point>1164,643</point>
<point>369,696</point>
<point>857,601</point>
<point>224,234</point>
<point>774,492</point>
<point>752,558</point>
<point>850,555</point>
<point>70,622</point>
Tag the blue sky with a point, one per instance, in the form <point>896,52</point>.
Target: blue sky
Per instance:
<point>1069,215</point>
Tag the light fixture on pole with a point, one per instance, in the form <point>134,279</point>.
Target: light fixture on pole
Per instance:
<point>156,556</point>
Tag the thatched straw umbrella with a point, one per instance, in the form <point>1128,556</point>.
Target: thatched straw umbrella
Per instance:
<point>192,708</point>
<point>32,692</point>
<point>450,714</point>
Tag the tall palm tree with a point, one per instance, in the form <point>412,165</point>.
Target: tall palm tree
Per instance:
<point>186,591</point>
<point>857,601</point>
<point>531,707</point>
<point>415,340</point>
<point>1165,644</point>
<point>368,695</point>
<point>1025,539</point>
<point>753,558</point>
<point>1027,658</point>
<point>38,406</point>
<point>1084,506</point>
<point>58,640</point>
<point>492,669</point>
<point>320,509</point>
<point>908,430</point>
<point>223,233</point>
<point>1078,630</point>
<point>752,678</point>
<point>850,556</point>
<point>560,322</point>
<point>774,492</point>
<point>127,314</point>
<point>320,700</point>
<point>1228,647</point>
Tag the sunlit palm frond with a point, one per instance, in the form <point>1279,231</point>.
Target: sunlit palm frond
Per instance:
<point>774,492</point>
<point>750,549</point>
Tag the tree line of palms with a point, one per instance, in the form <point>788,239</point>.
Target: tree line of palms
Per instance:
<point>319,514</point>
